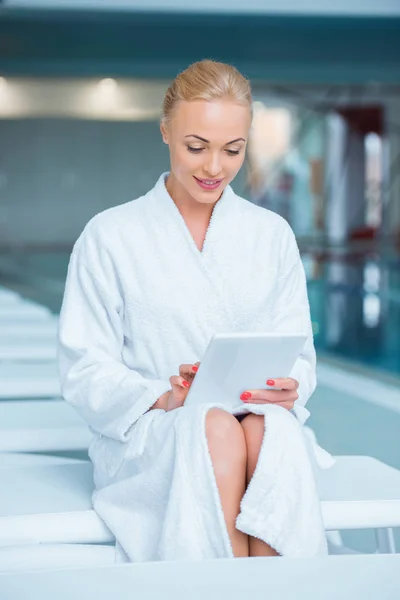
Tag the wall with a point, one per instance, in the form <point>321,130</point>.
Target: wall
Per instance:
<point>57,174</point>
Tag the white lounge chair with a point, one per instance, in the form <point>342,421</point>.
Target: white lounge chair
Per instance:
<point>46,556</point>
<point>54,556</point>
<point>29,380</point>
<point>52,504</point>
<point>24,311</point>
<point>41,426</point>
<point>29,350</point>
<point>11,301</point>
<point>10,460</point>
<point>49,504</point>
<point>8,297</point>
<point>345,577</point>
<point>37,329</point>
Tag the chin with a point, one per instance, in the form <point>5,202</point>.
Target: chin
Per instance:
<point>209,199</point>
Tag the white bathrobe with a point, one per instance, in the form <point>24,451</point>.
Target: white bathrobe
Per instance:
<point>141,299</point>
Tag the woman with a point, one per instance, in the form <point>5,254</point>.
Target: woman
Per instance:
<point>149,283</point>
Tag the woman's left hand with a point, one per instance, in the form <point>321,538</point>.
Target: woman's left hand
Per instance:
<point>286,394</point>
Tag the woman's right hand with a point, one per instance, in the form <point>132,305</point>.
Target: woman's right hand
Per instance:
<point>181,385</point>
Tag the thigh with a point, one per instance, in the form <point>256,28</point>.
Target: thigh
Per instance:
<point>226,442</point>
<point>253,429</point>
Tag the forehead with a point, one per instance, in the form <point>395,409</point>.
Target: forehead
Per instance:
<point>222,120</point>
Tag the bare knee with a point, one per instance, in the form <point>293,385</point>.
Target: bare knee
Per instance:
<point>225,439</point>
<point>221,425</point>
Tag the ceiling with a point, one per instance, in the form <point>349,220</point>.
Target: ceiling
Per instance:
<point>155,45</point>
<point>309,7</point>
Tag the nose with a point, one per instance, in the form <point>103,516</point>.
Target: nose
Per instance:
<point>212,165</point>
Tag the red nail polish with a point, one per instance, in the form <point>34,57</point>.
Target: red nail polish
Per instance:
<point>195,369</point>
<point>185,383</point>
<point>245,396</point>
<point>270,382</point>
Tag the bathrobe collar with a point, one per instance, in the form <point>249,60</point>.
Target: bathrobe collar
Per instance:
<point>218,222</point>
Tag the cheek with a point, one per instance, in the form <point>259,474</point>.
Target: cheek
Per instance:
<point>234,164</point>
<point>186,162</point>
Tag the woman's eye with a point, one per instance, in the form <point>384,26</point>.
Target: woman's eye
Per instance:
<point>194,150</point>
<point>198,150</point>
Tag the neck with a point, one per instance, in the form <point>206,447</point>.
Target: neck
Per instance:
<point>186,204</point>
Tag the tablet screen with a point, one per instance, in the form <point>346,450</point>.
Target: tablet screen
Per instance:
<point>236,362</point>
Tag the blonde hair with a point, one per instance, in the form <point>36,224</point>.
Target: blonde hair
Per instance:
<point>207,80</point>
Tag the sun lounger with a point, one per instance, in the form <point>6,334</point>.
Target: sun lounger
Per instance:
<point>41,426</point>
<point>24,311</point>
<point>29,350</point>
<point>15,329</point>
<point>331,578</point>
<point>29,380</point>
<point>52,504</point>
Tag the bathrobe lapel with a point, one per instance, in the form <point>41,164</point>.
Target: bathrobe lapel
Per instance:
<point>220,214</point>
<point>229,276</point>
<point>217,257</point>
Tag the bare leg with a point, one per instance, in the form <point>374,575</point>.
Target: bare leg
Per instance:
<point>253,427</point>
<point>227,447</point>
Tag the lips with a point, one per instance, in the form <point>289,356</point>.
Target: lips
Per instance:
<point>208,184</point>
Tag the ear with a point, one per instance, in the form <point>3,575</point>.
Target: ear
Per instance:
<point>164,132</point>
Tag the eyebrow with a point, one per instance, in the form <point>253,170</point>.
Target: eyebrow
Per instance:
<point>207,141</point>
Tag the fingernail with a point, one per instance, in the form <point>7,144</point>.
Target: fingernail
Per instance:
<point>270,382</point>
<point>245,396</point>
<point>195,369</point>
<point>185,383</point>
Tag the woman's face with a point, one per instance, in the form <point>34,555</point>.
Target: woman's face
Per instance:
<point>207,143</point>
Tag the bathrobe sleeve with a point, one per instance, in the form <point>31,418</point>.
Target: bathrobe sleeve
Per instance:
<point>292,314</point>
<point>93,376</point>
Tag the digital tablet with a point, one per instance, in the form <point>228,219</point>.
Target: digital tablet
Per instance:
<point>236,362</point>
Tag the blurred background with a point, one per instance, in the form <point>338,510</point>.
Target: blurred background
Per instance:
<point>81,87</point>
